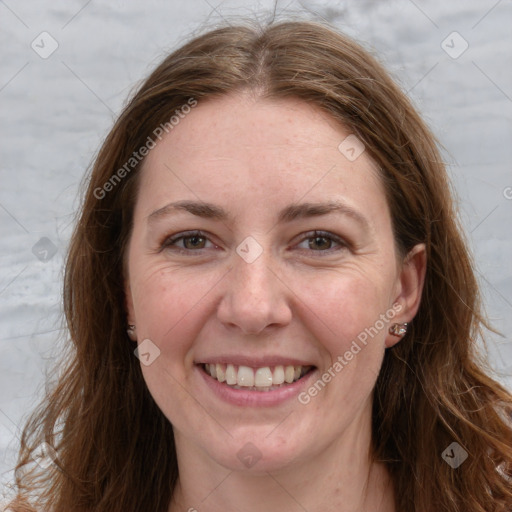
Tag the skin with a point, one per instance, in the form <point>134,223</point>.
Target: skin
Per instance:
<point>300,299</point>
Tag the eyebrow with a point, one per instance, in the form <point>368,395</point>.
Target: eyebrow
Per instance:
<point>288,214</point>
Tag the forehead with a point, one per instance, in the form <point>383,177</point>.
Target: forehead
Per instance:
<point>236,124</point>
<point>240,147</point>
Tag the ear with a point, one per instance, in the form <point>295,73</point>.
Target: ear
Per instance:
<point>410,283</point>
<point>128,301</point>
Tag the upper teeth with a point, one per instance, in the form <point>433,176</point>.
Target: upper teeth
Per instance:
<point>245,376</point>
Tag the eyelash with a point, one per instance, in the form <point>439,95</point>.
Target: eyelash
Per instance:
<point>168,242</point>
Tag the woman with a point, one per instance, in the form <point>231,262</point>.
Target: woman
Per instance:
<point>269,222</point>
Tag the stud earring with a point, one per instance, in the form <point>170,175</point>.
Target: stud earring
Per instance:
<point>398,329</point>
<point>131,332</point>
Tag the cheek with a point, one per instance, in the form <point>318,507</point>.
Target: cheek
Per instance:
<point>347,305</point>
<point>336,306</point>
<point>349,316</point>
<point>168,303</point>
<point>170,309</point>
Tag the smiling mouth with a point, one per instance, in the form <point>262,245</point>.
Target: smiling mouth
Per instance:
<point>267,378</point>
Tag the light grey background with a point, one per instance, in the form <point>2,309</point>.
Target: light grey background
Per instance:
<point>55,111</point>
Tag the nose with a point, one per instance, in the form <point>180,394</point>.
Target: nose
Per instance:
<point>254,297</point>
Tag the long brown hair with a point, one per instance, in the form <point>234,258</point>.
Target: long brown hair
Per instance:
<point>115,449</point>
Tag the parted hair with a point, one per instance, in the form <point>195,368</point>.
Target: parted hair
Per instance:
<point>115,448</point>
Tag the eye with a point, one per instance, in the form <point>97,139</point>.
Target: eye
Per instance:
<point>195,241</point>
<point>322,241</point>
<point>191,240</point>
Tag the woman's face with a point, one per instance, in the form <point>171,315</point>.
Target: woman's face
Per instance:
<point>235,282</point>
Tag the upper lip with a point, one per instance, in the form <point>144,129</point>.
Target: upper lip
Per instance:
<point>254,362</point>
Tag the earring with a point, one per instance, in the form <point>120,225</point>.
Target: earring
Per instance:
<point>398,329</point>
<point>131,332</point>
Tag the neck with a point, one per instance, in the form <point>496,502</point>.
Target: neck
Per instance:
<point>342,477</point>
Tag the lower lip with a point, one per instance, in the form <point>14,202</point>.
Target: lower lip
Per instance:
<point>255,398</point>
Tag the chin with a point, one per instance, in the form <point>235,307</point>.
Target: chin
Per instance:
<point>256,452</point>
